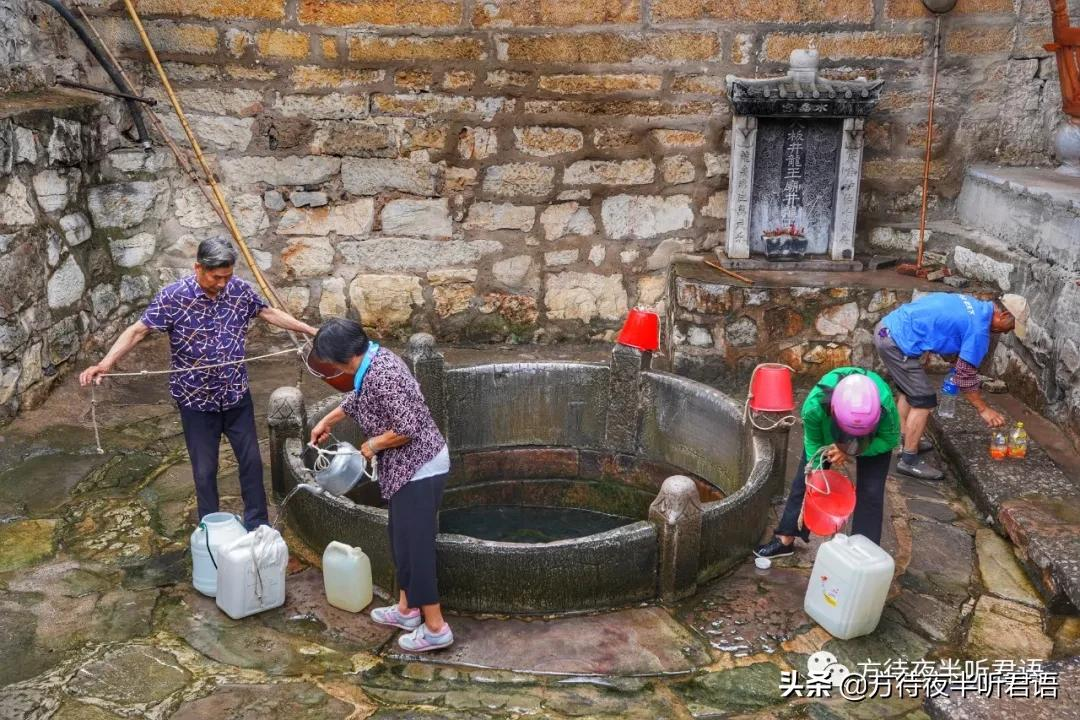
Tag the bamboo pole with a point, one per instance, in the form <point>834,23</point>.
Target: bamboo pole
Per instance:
<point>230,223</point>
<point>180,154</point>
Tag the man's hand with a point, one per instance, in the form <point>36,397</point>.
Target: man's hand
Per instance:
<point>320,433</point>
<point>93,374</point>
<point>836,456</point>
<point>992,417</point>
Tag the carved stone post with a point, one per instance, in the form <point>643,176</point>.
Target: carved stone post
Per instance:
<point>624,407</point>
<point>842,247</point>
<point>743,145</point>
<point>287,418</point>
<point>676,514</point>
<point>428,366</point>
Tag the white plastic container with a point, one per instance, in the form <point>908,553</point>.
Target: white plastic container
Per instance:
<point>214,532</point>
<point>848,586</point>
<point>346,577</point>
<point>251,573</point>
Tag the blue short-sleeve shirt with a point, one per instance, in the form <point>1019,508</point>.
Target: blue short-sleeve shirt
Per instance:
<point>943,323</point>
<point>204,331</point>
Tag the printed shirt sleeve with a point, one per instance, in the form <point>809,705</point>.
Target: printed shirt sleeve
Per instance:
<point>255,303</point>
<point>967,376</point>
<point>158,315</point>
<point>399,397</point>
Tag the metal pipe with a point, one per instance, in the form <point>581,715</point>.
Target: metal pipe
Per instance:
<point>114,74</point>
<point>105,91</point>
<point>929,147</point>
<point>181,155</point>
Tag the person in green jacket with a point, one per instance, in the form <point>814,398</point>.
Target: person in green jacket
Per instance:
<point>849,414</point>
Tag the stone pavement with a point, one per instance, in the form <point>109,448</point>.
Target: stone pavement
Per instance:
<point>98,619</point>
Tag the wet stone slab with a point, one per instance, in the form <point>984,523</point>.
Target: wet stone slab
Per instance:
<point>934,619</point>
<point>1066,706</point>
<point>1000,572</point>
<point>749,611</point>
<point>941,561</point>
<point>628,642</point>
<point>742,689</point>
<point>43,482</point>
<point>307,614</point>
<point>133,675</point>
<point>26,542</point>
<point>295,701</point>
<point>246,643</point>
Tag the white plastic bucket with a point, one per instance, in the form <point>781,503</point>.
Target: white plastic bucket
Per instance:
<point>346,577</point>
<point>214,532</point>
<point>848,586</point>
<point>251,573</point>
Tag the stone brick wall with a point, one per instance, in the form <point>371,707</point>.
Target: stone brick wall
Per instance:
<point>525,169</point>
<point>69,273</point>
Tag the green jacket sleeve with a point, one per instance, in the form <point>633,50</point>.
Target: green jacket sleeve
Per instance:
<point>814,420</point>
<point>887,436</point>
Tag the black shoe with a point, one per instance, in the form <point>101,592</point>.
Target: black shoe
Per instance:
<point>924,444</point>
<point>775,548</point>
<point>921,470</point>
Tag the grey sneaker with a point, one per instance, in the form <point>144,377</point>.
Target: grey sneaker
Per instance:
<point>390,615</point>
<point>921,470</point>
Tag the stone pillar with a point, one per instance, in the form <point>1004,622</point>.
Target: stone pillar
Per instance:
<point>842,247</point>
<point>287,418</point>
<point>428,366</point>
<point>743,146</point>
<point>676,514</point>
<point>779,439</point>
<point>624,407</point>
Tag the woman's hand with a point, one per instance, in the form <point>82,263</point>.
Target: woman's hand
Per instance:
<point>320,433</point>
<point>367,451</point>
<point>836,456</point>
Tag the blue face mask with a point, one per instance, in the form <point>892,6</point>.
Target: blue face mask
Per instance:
<point>358,380</point>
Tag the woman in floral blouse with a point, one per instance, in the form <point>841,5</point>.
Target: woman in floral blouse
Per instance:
<point>413,466</point>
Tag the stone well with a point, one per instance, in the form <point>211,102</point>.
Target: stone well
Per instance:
<point>669,453</point>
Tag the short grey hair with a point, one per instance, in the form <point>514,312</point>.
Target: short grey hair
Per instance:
<point>216,252</point>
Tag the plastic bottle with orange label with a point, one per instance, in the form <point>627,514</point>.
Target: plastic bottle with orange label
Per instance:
<point>999,446</point>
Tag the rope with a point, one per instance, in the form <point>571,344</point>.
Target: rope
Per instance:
<point>325,457</point>
<point>140,373</point>
<point>786,421</point>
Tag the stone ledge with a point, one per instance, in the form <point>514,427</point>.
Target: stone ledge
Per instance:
<point>1033,502</point>
<point>1065,706</point>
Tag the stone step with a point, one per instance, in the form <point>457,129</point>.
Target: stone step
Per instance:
<point>972,253</point>
<point>1064,704</point>
<point>1036,210</point>
<point>1031,501</point>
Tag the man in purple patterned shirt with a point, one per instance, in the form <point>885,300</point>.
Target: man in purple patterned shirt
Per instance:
<point>206,316</point>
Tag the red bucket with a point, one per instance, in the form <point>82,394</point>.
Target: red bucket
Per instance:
<point>641,330</point>
<point>340,381</point>
<point>771,390</point>
<point>830,500</point>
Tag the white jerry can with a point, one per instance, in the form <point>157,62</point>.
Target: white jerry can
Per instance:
<point>251,573</point>
<point>848,586</point>
<point>215,531</point>
<point>346,577</point>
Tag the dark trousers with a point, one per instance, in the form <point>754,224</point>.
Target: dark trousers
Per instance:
<point>202,432</point>
<point>870,474</point>
<point>414,523</point>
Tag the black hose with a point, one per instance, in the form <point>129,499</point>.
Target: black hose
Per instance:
<point>114,74</point>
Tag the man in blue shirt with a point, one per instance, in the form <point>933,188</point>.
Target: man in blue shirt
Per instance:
<point>947,324</point>
<point>206,316</point>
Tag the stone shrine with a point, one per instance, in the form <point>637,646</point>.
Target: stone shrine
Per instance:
<point>796,162</point>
